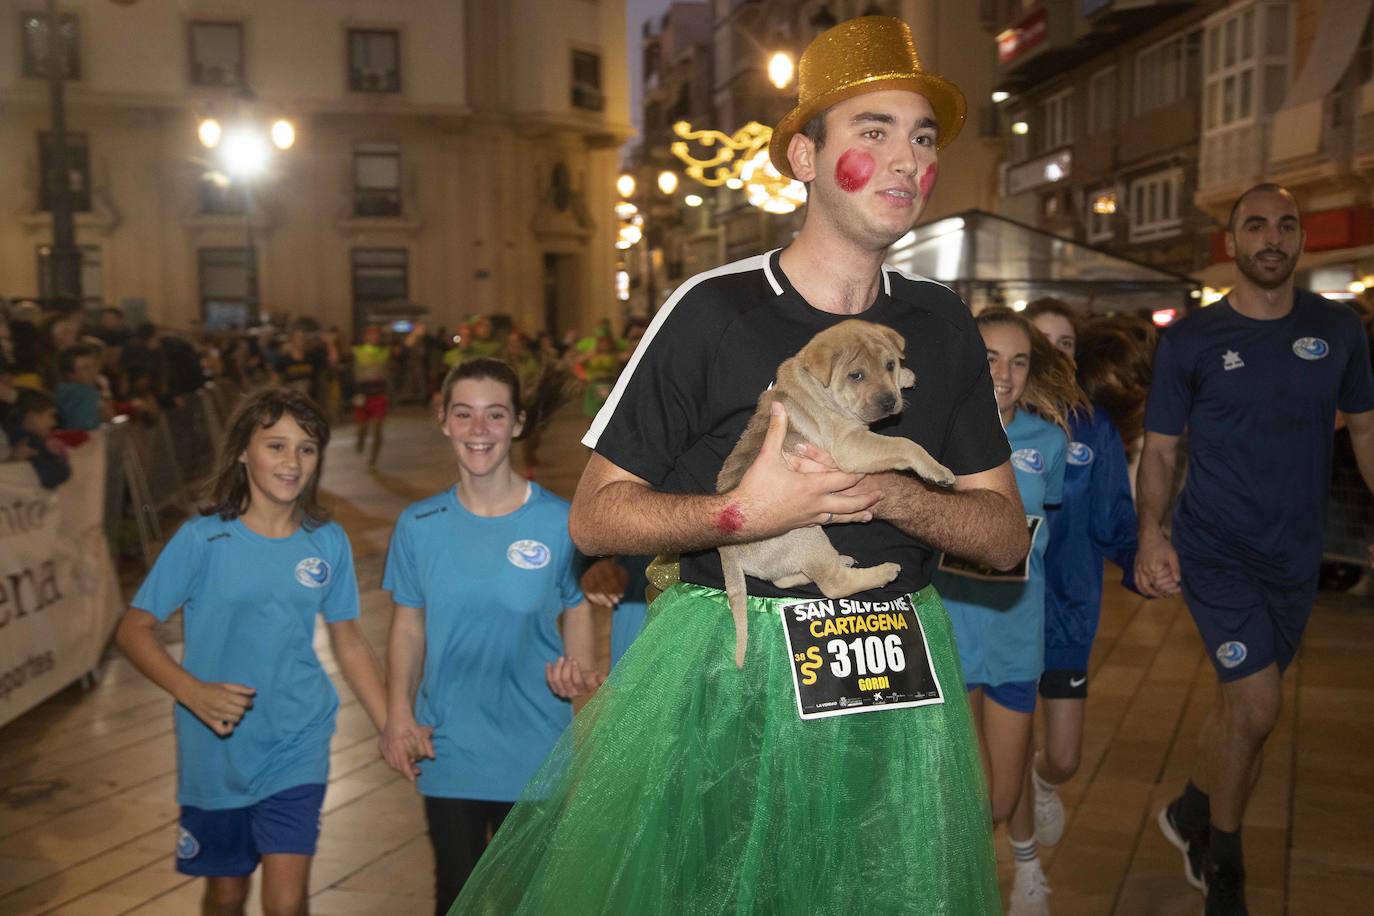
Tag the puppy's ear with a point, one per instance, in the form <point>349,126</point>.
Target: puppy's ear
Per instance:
<point>894,338</point>
<point>818,358</point>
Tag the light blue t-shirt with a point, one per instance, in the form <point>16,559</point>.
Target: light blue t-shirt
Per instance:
<point>1000,626</point>
<point>248,608</point>
<point>492,590</point>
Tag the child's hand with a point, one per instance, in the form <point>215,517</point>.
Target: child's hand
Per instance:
<point>568,680</point>
<point>220,706</point>
<point>604,582</point>
<point>403,743</point>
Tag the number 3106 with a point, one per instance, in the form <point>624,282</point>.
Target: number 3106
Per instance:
<point>872,655</point>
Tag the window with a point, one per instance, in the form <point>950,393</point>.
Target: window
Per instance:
<point>1156,203</point>
<point>216,54</point>
<point>33,27</point>
<point>1247,73</point>
<point>1167,72</point>
<point>1100,218</point>
<point>374,60</point>
<point>1056,121</point>
<point>1102,101</point>
<point>586,81</point>
<point>228,287</point>
<point>380,275</point>
<point>78,171</point>
<point>92,274</point>
<point>377,178</point>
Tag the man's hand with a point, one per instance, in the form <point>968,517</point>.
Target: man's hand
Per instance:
<point>1156,566</point>
<point>604,582</point>
<point>569,680</point>
<point>404,742</point>
<point>773,498</point>
<point>220,706</point>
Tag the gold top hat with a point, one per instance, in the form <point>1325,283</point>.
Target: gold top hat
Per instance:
<point>863,55</point>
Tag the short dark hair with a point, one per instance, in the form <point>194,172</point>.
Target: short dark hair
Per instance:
<point>1268,186</point>
<point>66,360</point>
<point>814,129</point>
<point>32,400</point>
<point>1048,305</point>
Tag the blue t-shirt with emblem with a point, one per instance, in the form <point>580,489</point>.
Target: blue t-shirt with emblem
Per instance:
<point>1000,626</point>
<point>1095,520</point>
<point>492,590</point>
<point>249,604</point>
<point>1258,400</point>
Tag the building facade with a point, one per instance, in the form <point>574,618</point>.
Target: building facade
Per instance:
<point>1134,126</point>
<point>461,156</point>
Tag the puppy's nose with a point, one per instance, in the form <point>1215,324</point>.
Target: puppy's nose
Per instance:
<point>887,401</point>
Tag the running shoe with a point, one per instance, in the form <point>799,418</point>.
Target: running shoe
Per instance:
<point>1226,892</point>
<point>1192,845</point>
<point>1030,891</point>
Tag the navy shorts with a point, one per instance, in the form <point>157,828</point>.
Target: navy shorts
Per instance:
<point>1246,624</point>
<point>229,842</point>
<point>1018,696</point>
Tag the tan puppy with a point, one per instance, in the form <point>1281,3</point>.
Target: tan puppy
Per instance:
<point>845,378</point>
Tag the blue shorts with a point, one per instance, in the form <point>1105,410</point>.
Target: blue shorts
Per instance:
<point>1246,624</point>
<point>229,842</point>
<point>1018,696</point>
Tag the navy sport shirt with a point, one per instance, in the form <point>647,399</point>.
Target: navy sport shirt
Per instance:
<point>1258,400</point>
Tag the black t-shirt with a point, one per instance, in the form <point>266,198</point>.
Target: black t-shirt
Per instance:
<point>300,372</point>
<point>715,346</point>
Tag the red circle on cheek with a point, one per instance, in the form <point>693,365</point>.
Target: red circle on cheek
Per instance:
<point>853,170</point>
<point>928,179</point>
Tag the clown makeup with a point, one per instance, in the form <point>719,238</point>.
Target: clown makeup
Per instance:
<point>853,170</point>
<point>927,182</point>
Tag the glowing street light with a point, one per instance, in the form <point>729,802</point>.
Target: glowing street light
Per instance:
<point>1000,96</point>
<point>245,153</point>
<point>693,200</point>
<point>283,134</point>
<point>1020,128</point>
<point>667,182</point>
<point>781,69</point>
<point>625,185</point>
<point>209,133</point>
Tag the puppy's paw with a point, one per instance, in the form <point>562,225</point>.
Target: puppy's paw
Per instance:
<point>845,561</point>
<point>940,475</point>
<point>889,570</point>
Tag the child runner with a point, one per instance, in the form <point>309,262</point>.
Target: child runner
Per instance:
<point>255,709</point>
<point>1095,521</point>
<point>999,618</point>
<point>371,365</point>
<point>478,675</point>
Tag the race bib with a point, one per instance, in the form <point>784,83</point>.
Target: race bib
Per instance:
<point>850,656</point>
<point>970,569</point>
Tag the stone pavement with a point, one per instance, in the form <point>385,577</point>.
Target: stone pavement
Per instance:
<point>87,809</point>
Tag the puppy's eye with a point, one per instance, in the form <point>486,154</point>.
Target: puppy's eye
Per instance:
<point>891,364</point>
<point>857,375</point>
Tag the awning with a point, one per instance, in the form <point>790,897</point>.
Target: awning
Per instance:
<point>1297,127</point>
<point>987,259</point>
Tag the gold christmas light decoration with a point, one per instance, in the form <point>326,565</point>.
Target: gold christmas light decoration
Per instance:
<point>739,162</point>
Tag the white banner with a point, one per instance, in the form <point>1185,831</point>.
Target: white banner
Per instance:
<point>59,597</point>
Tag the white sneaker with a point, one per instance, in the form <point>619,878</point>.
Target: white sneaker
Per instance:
<point>1049,812</point>
<point>1030,892</point>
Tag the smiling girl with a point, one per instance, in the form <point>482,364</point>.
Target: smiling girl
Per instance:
<point>255,710</point>
<point>478,675</point>
<point>999,619</point>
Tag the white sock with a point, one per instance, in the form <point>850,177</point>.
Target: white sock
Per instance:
<point>1024,853</point>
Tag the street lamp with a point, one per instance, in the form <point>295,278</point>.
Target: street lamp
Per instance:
<point>625,185</point>
<point>781,69</point>
<point>667,182</point>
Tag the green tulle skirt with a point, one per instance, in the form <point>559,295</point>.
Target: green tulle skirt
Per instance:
<point>689,786</point>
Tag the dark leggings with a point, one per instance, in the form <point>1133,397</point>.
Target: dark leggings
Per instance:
<point>459,830</point>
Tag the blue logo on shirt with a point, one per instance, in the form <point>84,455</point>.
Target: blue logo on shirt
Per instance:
<point>1311,347</point>
<point>1029,460</point>
<point>1080,454</point>
<point>187,845</point>
<point>528,555</point>
<point>312,572</point>
<point>1231,654</point>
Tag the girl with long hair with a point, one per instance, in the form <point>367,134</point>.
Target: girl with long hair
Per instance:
<point>255,710</point>
<point>1095,521</point>
<point>999,618</point>
<point>481,575</point>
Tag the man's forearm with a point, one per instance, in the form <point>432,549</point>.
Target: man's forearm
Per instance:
<point>649,522</point>
<point>1153,489</point>
<point>981,525</point>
